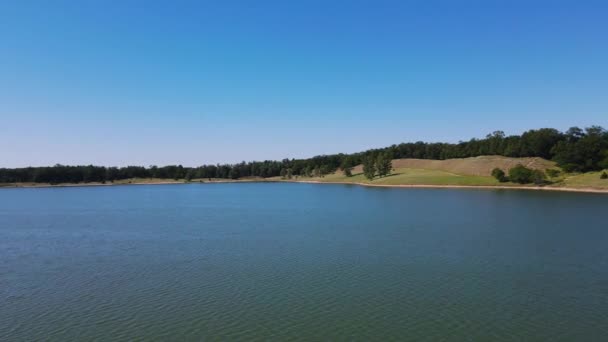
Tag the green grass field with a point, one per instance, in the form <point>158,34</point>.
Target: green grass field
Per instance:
<point>583,180</point>
<point>464,172</point>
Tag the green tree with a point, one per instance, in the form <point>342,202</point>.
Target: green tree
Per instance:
<point>521,174</point>
<point>323,170</point>
<point>384,164</point>
<point>539,143</point>
<point>369,167</point>
<point>582,150</point>
<point>233,173</point>
<point>604,175</point>
<point>347,166</point>
<point>499,175</point>
<point>189,174</point>
<point>316,172</point>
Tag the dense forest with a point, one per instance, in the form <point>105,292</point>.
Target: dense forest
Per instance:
<point>576,149</point>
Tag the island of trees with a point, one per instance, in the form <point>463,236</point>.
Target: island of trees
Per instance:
<point>575,150</point>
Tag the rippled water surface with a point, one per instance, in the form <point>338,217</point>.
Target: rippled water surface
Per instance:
<point>301,261</point>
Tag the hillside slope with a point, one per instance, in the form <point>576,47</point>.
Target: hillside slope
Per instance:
<point>474,171</point>
<point>475,166</point>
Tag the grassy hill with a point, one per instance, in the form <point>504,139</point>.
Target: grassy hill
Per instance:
<point>411,176</point>
<point>465,172</point>
<point>475,166</point>
<point>589,180</point>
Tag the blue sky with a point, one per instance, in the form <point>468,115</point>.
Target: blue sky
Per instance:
<point>178,82</point>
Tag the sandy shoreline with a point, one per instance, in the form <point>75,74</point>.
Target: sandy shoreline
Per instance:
<point>411,186</point>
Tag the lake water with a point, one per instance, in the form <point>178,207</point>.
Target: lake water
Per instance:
<point>280,261</point>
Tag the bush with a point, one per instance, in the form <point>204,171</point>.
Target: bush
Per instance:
<point>553,173</point>
<point>604,175</point>
<point>499,175</point>
<point>521,174</point>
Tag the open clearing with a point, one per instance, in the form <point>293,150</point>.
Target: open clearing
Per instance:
<point>475,166</point>
<point>463,172</point>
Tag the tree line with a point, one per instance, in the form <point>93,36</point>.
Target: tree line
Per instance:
<point>576,149</point>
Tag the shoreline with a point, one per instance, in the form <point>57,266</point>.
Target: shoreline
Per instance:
<point>76,185</point>
<point>410,186</point>
<point>481,187</point>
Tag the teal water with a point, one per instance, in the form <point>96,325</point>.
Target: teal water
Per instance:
<point>301,262</point>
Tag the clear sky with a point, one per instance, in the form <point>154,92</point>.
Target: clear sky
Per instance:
<point>177,82</point>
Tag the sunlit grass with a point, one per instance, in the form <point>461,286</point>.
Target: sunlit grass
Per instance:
<point>584,180</point>
<point>406,176</point>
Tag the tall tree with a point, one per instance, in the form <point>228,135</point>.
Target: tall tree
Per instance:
<point>347,166</point>
<point>384,164</point>
<point>369,167</point>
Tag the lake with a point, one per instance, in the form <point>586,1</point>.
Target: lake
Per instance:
<point>279,261</point>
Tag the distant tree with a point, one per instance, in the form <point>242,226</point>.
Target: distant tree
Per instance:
<point>308,171</point>
<point>384,164</point>
<point>369,167</point>
<point>348,171</point>
<point>233,173</point>
<point>189,174</point>
<point>316,172</point>
<point>604,175</point>
<point>283,173</point>
<point>324,170</point>
<point>582,150</point>
<point>495,143</point>
<point>500,175</point>
<point>347,166</point>
<point>520,174</point>
<point>573,134</point>
<point>539,143</point>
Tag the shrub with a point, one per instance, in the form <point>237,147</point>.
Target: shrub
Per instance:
<point>604,175</point>
<point>499,175</point>
<point>521,174</point>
